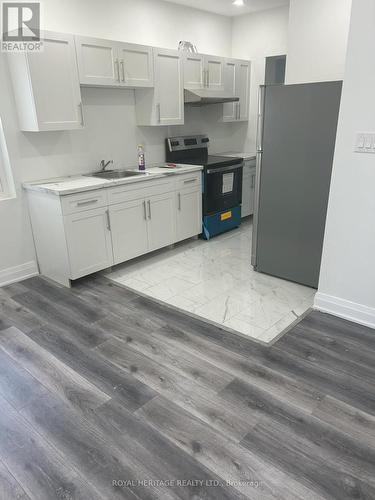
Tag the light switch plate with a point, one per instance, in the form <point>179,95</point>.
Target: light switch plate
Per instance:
<point>365,142</point>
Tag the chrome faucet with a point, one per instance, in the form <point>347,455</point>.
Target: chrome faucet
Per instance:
<point>104,164</point>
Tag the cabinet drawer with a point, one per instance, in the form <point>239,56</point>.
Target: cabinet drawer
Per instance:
<point>138,190</point>
<point>189,181</point>
<point>87,200</point>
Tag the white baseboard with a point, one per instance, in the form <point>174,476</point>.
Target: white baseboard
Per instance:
<point>346,309</point>
<point>18,273</point>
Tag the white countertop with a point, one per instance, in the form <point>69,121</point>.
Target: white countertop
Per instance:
<point>78,183</point>
<point>245,156</point>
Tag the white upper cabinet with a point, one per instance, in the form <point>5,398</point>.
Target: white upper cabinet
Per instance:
<point>97,61</point>
<point>194,71</point>
<point>202,71</point>
<point>230,109</point>
<point>237,83</point>
<point>215,72</point>
<point>114,64</point>
<point>46,86</point>
<point>164,104</point>
<point>135,65</point>
<point>243,70</point>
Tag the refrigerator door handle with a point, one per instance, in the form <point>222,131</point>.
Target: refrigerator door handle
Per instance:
<point>254,244</point>
<point>259,146</point>
<point>261,98</point>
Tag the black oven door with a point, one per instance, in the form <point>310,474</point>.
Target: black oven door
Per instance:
<point>222,188</point>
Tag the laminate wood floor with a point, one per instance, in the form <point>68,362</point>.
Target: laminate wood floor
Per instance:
<point>106,395</point>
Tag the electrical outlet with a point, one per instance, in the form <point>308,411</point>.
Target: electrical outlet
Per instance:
<point>365,143</point>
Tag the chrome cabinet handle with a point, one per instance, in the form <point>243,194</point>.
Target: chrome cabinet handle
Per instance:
<point>239,111</point>
<point>144,210</point>
<point>149,209</point>
<point>117,69</point>
<point>188,181</point>
<point>208,78</point>
<point>108,220</point>
<point>122,70</point>
<point>80,107</point>
<point>88,202</point>
<point>253,181</point>
<point>179,201</point>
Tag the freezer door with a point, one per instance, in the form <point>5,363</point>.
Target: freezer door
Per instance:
<point>298,141</point>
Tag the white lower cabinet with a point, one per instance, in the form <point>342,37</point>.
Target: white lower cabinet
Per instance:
<point>129,230</point>
<point>189,213</point>
<point>88,240</point>
<point>73,240</point>
<point>248,188</point>
<point>161,221</point>
<point>141,226</point>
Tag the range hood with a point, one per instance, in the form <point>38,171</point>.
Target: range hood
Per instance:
<point>202,97</point>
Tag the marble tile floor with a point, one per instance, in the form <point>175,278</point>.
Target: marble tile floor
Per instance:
<point>215,281</point>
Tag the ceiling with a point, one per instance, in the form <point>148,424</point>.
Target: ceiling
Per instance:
<point>226,7</point>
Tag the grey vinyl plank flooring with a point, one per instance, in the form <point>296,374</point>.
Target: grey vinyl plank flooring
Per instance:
<point>304,463</point>
<point>57,314</point>
<point>222,456</point>
<point>203,402</point>
<point>112,381</point>
<point>50,372</point>
<point>334,445</point>
<point>37,466</point>
<point>10,489</point>
<point>246,368</point>
<point>88,449</point>
<point>98,383</point>
<point>17,385</point>
<point>14,314</point>
<point>146,443</point>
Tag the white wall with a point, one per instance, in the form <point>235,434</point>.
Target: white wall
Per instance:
<point>111,130</point>
<point>347,281</point>
<point>256,36</point>
<point>317,40</point>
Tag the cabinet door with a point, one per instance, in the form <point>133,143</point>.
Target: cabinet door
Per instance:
<point>194,71</point>
<point>252,190</point>
<point>246,191</point>
<point>89,242</point>
<point>55,84</point>
<point>215,69</point>
<point>230,108</point>
<point>169,87</point>
<point>129,230</point>
<point>161,220</point>
<point>189,213</point>
<point>136,65</point>
<point>243,89</point>
<point>98,63</point>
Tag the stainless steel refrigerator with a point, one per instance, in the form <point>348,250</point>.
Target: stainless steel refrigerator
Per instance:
<point>297,127</point>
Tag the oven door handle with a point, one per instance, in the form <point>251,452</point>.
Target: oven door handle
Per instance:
<point>224,169</point>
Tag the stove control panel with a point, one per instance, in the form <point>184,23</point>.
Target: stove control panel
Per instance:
<point>187,142</point>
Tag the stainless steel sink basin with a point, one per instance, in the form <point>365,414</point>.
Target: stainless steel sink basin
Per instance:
<point>116,174</point>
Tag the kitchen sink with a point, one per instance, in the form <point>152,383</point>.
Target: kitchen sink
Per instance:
<point>116,174</point>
